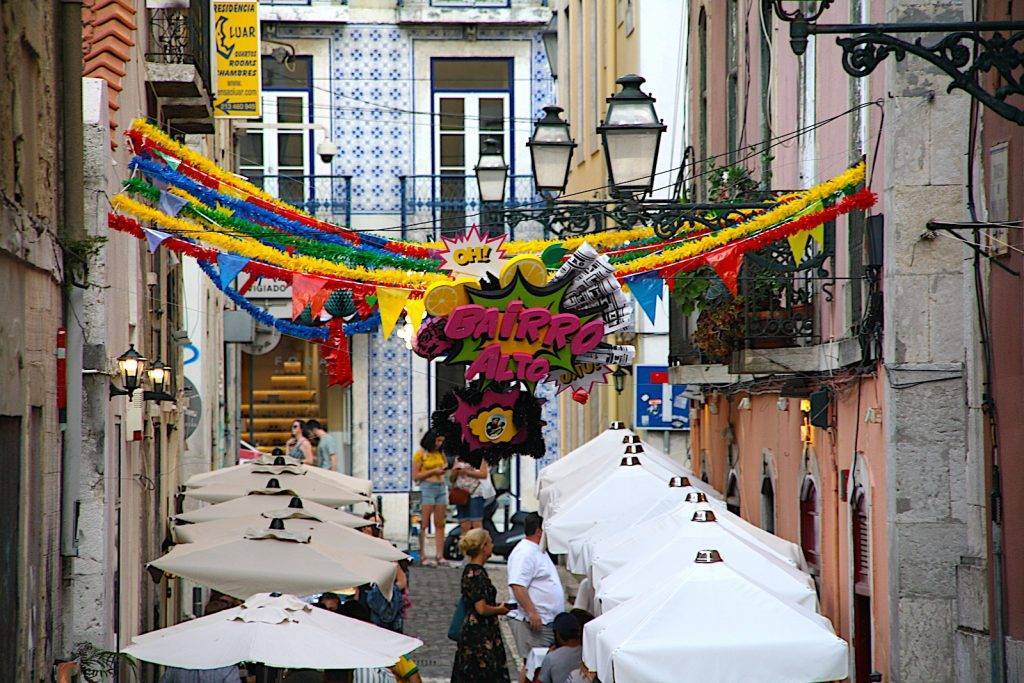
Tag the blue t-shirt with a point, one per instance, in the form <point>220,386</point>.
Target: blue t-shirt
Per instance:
<point>324,449</point>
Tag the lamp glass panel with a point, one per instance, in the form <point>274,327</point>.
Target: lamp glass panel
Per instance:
<point>631,113</point>
<point>550,165</point>
<point>491,181</point>
<point>631,156</point>
<point>546,133</point>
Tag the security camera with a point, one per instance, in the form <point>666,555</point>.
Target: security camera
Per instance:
<point>326,150</point>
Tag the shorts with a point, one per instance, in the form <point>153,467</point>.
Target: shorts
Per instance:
<point>526,638</point>
<point>473,511</point>
<point>433,493</point>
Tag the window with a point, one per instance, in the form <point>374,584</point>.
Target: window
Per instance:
<point>702,56</point>
<point>595,90</point>
<point>766,90</point>
<point>809,525</point>
<point>278,158</point>
<point>732,77</point>
<point>732,494</point>
<point>861,537</point>
<point>580,69</point>
<point>471,99</point>
<point>768,505</point>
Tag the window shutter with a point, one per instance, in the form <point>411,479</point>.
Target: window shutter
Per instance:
<point>861,545</point>
<point>809,524</point>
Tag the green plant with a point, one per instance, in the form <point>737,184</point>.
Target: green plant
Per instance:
<point>733,183</point>
<point>78,253</point>
<point>96,664</point>
<point>720,330</point>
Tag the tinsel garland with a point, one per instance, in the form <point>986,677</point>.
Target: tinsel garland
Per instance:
<point>771,218</point>
<point>362,254</point>
<point>179,245</point>
<point>330,250</point>
<point>250,248</point>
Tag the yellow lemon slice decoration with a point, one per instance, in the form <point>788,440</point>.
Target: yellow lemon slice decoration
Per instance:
<point>533,269</point>
<point>441,299</point>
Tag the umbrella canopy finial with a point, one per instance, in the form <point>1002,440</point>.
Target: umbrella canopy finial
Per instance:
<point>631,438</point>
<point>279,460</point>
<point>295,502</point>
<point>273,484</point>
<point>704,516</point>
<point>708,557</point>
<point>277,524</point>
<point>678,482</point>
<point>615,424</point>
<point>696,497</point>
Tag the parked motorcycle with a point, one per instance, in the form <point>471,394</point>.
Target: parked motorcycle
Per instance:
<point>504,541</point>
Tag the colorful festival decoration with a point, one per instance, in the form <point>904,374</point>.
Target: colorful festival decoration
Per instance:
<point>473,254</point>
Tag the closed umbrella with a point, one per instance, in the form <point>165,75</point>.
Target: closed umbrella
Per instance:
<point>675,541</point>
<point>267,500</point>
<point>709,622</point>
<point>329,534</point>
<point>302,485</point>
<point>274,559</point>
<point>240,474</point>
<point>280,631</point>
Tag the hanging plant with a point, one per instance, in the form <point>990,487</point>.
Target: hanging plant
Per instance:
<point>720,330</point>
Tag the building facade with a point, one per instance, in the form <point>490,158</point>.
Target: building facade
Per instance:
<point>843,413</point>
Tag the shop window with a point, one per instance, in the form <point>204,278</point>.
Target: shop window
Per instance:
<point>768,505</point>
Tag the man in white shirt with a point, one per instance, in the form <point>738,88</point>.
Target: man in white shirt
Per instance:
<point>536,588</point>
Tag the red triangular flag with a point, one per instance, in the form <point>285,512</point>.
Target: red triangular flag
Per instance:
<point>727,261</point>
<point>308,290</point>
<point>335,351</point>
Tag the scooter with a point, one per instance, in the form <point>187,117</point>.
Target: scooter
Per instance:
<point>504,541</point>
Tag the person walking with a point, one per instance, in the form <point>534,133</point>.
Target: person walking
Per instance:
<point>428,468</point>
<point>480,655</point>
<point>298,445</point>
<point>467,478</point>
<point>326,446</point>
<point>534,581</point>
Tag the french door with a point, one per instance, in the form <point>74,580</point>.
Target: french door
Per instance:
<point>277,159</point>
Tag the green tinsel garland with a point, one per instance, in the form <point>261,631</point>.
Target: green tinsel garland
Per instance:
<point>336,253</point>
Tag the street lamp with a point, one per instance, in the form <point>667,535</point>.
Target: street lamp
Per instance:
<point>491,170</point>
<point>160,378</point>
<point>550,37</point>
<point>619,377</point>
<point>130,366</point>
<point>551,152</point>
<point>631,133</point>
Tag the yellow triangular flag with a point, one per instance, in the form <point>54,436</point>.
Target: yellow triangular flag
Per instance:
<point>798,244</point>
<point>818,234</point>
<point>391,303</point>
<point>414,311</point>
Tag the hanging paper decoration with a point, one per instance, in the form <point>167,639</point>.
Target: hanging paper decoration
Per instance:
<point>230,266</point>
<point>154,238</point>
<point>647,291</point>
<point>473,254</point>
<point>591,284</point>
<point>308,291</point>
<point>171,203</point>
<point>490,423</point>
<point>336,354</point>
<point>726,263</point>
<point>582,377</point>
<point>430,341</point>
<point>414,312</point>
<point>391,303</point>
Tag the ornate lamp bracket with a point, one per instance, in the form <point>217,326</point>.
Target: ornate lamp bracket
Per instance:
<point>998,43</point>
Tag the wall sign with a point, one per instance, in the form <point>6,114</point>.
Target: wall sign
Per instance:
<point>659,405</point>
<point>236,40</point>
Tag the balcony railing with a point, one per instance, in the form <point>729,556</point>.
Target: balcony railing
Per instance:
<point>182,36</point>
<point>439,204</point>
<point>325,196</point>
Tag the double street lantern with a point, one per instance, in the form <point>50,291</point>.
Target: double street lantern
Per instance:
<point>491,171</point>
<point>631,133</point>
<point>159,377</point>
<point>551,151</point>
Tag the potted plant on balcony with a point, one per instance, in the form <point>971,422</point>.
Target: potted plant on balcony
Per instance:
<point>773,308</point>
<point>719,327</point>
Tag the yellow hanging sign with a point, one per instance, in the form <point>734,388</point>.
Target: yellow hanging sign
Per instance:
<point>236,40</point>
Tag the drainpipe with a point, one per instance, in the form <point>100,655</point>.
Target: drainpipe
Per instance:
<point>73,167</point>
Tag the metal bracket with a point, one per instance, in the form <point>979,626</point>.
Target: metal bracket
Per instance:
<point>952,229</point>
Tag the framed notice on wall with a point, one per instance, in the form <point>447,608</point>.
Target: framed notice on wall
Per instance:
<point>236,59</point>
<point>659,405</point>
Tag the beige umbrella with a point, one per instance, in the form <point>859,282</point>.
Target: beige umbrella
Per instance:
<point>274,559</point>
<point>266,501</point>
<point>239,474</point>
<point>340,538</point>
<point>277,630</point>
<point>304,486</point>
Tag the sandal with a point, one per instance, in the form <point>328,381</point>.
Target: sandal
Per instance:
<point>428,563</point>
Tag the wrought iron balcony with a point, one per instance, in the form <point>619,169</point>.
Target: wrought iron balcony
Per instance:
<point>325,196</point>
<point>438,204</point>
<point>178,65</point>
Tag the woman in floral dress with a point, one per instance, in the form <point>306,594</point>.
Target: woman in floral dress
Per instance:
<point>480,657</point>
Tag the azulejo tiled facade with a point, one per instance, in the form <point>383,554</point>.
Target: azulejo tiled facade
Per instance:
<point>375,120</point>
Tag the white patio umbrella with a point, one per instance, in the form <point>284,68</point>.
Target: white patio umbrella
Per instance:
<point>675,541</point>
<point>610,442</point>
<point>312,488</point>
<point>622,494</point>
<point>560,493</point>
<point>239,474</point>
<point>277,630</point>
<point>709,622</point>
<point>300,521</point>
<point>581,547</point>
<point>267,500</point>
<point>274,559</point>
<point>609,551</point>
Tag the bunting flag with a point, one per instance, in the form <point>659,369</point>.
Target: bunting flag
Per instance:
<point>818,235</point>
<point>173,162</point>
<point>414,312</point>
<point>171,204</point>
<point>391,303</point>
<point>337,355</point>
<point>154,238</point>
<point>798,245</point>
<point>311,291</point>
<point>230,266</point>
<point>727,262</point>
<point>647,291</point>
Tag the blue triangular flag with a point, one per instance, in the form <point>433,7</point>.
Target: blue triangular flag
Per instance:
<point>155,238</point>
<point>157,183</point>
<point>171,203</point>
<point>647,291</point>
<point>230,266</point>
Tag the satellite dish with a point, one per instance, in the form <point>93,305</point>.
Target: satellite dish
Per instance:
<point>264,339</point>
